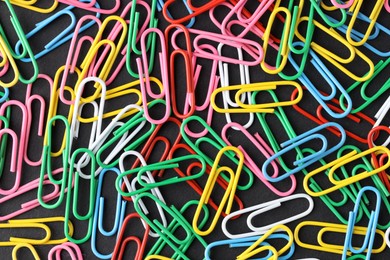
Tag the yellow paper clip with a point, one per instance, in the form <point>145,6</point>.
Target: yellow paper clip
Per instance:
<point>283,47</point>
<point>332,228</point>
<point>251,251</point>
<point>30,6</point>
<point>337,60</point>
<point>24,245</point>
<point>43,222</point>
<point>355,8</point>
<point>334,165</point>
<point>255,108</point>
<point>157,257</point>
<point>25,225</point>
<point>229,193</point>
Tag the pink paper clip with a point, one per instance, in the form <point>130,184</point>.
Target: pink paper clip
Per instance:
<point>251,21</point>
<point>29,205</point>
<point>265,150</point>
<point>41,126</point>
<point>92,6</point>
<point>251,47</point>
<point>18,144</point>
<point>387,6</point>
<point>73,54</point>
<point>145,83</point>
<point>72,249</point>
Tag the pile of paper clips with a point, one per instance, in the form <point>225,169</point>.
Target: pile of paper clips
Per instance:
<point>324,59</point>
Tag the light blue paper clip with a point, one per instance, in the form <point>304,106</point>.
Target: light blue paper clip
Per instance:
<point>330,79</point>
<point>99,212</point>
<point>310,159</point>
<point>371,228</point>
<point>65,35</point>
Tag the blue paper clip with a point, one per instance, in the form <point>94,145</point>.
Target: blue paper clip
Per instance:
<point>371,228</point>
<point>308,160</point>
<point>64,36</point>
<point>99,212</point>
<point>330,79</point>
<point>248,241</point>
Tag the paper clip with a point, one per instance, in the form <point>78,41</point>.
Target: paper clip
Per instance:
<point>72,197</point>
<point>122,242</point>
<point>371,228</point>
<point>308,160</point>
<point>283,50</point>
<point>332,228</point>
<point>135,33</point>
<point>24,245</point>
<point>356,8</point>
<point>29,205</point>
<point>255,211</point>
<point>157,257</point>
<point>218,143</point>
<point>26,47</point>
<point>30,6</point>
<point>189,105</point>
<point>18,143</point>
<point>173,241</point>
<point>72,249</point>
<point>332,82</point>
<point>58,40</point>
<point>195,10</point>
<point>252,48</point>
<point>92,6</point>
<point>387,238</point>
<point>229,193</point>
<point>98,219</point>
<point>248,241</point>
<point>13,241</point>
<point>244,79</point>
<point>145,83</point>
<point>334,165</point>
<point>252,250</point>
<point>42,222</point>
<point>30,98</point>
<point>264,150</point>
<point>197,188</point>
<point>46,166</point>
<point>335,59</point>
<point>254,106</point>
<point>174,225</point>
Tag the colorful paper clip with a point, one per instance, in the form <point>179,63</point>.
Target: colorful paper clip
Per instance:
<point>371,228</point>
<point>308,160</point>
<point>255,211</point>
